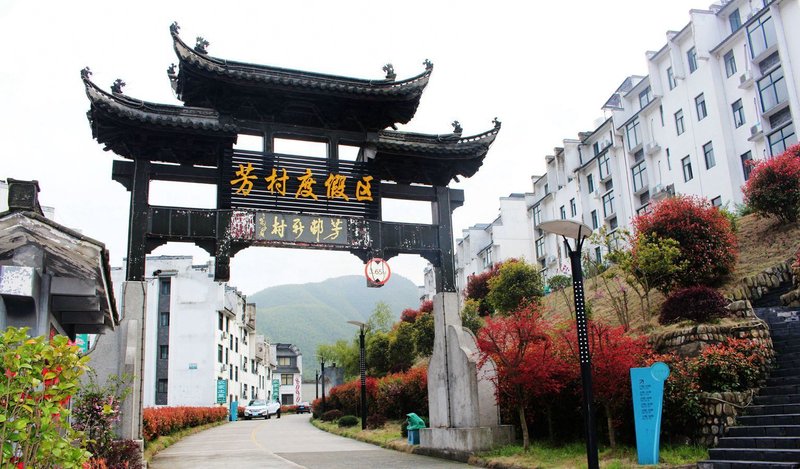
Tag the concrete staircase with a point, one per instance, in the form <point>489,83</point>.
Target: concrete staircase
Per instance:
<point>767,435</point>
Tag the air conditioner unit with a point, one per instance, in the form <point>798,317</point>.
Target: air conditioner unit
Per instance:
<point>651,148</point>
<point>605,144</point>
<point>223,367</point>
<point>755,130</point>
<point>597,193</point>
<point>551,260</point>
<point>225,335</point>
<point>746,79</point>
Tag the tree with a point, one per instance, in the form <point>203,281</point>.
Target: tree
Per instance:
<point>773,188</point>
<point>377,353</point>
<point>402,351</point>
<point>559,283</point>
<point>515,284</point>
<point>478,287</point>
<point>527,366</point>
<point>344,353</point>
<point>470,316</point>
<point>707,243</point>
<point>613,354</point>
<point>652,262</point>
<point>424,334</point>
<point>381,318</point>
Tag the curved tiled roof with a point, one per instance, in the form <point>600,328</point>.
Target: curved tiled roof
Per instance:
<point>134,128</point>
<point>436,159</point>
<point>374,104</point>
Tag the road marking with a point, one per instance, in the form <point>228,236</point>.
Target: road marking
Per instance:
<point>253,439</point>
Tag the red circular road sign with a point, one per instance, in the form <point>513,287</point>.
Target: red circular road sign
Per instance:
<point>377,271</point>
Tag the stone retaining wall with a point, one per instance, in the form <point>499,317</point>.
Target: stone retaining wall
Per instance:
<point>721,409</point>
<point>753,288</point>
<point>689,341</point>
<point>792,298</point>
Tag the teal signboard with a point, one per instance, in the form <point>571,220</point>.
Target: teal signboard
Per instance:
<point>276,390</point>
<point>82,341</point>
<point>647,385</point>
<point>222,391</point>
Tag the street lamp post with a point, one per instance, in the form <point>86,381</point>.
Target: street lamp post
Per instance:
<point>578,232</point>
<point>363,367</point>
<point>322,379</point>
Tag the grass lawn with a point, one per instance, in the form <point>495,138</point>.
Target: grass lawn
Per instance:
<point>540,455</point>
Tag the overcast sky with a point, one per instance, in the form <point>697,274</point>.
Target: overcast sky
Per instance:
<point>543,68</point>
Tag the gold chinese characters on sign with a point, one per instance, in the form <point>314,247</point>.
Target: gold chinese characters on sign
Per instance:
<point>277,181</point>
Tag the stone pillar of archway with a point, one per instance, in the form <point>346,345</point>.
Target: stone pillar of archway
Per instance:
<point>464,416</point>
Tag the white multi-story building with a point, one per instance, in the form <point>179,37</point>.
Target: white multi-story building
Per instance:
<point>290,373</point>
<point>200,334</point>
<point>721,92</point>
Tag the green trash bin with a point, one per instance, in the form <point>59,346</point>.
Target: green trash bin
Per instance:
<point>414,424</point>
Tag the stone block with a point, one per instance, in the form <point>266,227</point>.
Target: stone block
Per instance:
<point>466,439</point>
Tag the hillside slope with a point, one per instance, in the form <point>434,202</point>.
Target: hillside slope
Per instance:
<point>315,313</point>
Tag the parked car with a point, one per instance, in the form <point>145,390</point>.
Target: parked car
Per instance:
<point>261,408</point>
<point>303,408</point>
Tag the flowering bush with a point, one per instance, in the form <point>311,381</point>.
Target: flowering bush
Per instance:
<point>401,393</point>
<point>160,421</point>
<point>773,188</point>
<point>347,397</point>
<point>699,304</point>
<point>39,376</point>
<point>707,243</point>
<point>737,365</point>
<point>96,409</point>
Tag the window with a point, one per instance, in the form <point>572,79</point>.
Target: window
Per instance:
<point>540,247</point>
<point>598,257</point>
<point>687,169</point>
<point>772,89</point>
<point>717,201</point>
<point>762,35</point>
<point>700,105</point>
<point>782,139</point>
<point>644,199</point>
<point>163,352</point>
<point>590,183</point>
<point>602,163</point>
<point>537,215</point>
<point>671,79</point>
<point>219,353</point>
<point>236,374</point>
<point>661,114</point>
<point>645,96</point>
<point>563,212</point>
<point>612,224</point>
<point>608,204</point>
<point>164,286</point>
<point>220,322</point>
<point>227,356</point>
<point>738,113</point>
<point>638,156</point>
<point>228,324</point>
<point>730,63</point>
<point>286,379</point>
<point>632,130</point>
<point>747,165</point>
<point>691,56</point>
<point>573,209</point>
<point>163,319</point>
<point>162,386</point>
<point>596,148</point>
<point>639,177</point>
<point>236,348</point>
<point>608,185</point>
<point>546,189</point>
<point>735,20</point>
<point>669,161</point>
<point>679,122</point>
<point>708,154</point>
<point>287,399</point>
<point>285,361</point>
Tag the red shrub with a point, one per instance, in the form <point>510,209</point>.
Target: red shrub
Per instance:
<point>159,421</point>
<point>478,287</point>
<point>705,235</point>
<point>392,396</point>
<point>774,186</point>
<point>409,315</point>
<point>699,304</point>
<point>347,397</point>
<point>426,307</point>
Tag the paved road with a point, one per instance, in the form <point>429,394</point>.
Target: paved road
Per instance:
<point>288,442</point>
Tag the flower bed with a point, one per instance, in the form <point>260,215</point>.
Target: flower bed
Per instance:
<point>160,421</point>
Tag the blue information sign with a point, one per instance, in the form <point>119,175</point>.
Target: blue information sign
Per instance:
<point>222,391</point>
<point>647,385</point>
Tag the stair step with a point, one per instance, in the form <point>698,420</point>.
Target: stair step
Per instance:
<point>773,409</point>
<point>778,372</point>
<point>782,380</point>
<point>769,419</point>
<point>775,399</point>
<point>755,454</point>
<point>772,442</point>
<point>763,430</point>
<point>785,389</point>
<point>784,347</point>
<point>718,464</point>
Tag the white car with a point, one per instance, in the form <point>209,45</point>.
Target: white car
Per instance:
<point>261,408</point>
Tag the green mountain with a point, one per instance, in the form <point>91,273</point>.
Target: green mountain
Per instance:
<point>317,313</point>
